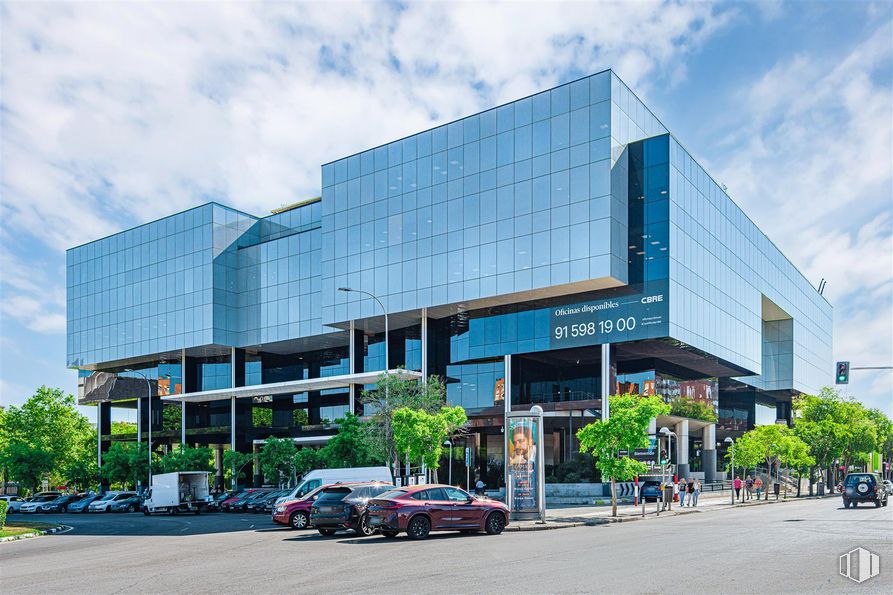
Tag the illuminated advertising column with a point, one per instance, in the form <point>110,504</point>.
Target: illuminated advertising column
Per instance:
<point>525,488</point>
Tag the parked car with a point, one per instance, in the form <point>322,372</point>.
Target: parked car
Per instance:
<point>258,504</point>
<point>59,504</point>
<point>864,487</point>
<point>238,502</point>
<point>343,506</point>
<point>650,490</point>
<point>320,477</point>
<point>126,502</point>
<point>13,503</point>
<point>296,513</point>
<point>35,503</point>
<point>216,499</point>
<point>82,504</point>
<point>418,510</point>
<point>105,503</point>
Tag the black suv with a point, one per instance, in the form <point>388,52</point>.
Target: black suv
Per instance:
<point>864,487</point>
<point>344,507</point>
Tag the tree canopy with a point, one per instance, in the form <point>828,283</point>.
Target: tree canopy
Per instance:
<point>45,438</point>
<point>625,430</point>
<point>421,435</point>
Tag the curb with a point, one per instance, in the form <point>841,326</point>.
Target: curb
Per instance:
<point>38,533</point>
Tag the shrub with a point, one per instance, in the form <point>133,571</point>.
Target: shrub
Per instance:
<point>3,505</point>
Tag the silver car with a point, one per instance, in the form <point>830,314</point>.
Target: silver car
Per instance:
<point>14,503</point>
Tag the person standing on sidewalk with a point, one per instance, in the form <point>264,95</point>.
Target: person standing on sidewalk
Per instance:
<point>758,485</point>
<point>696,491</point>
<point>737,485</point>
<point>748,488</point>
<point>690,488</point>
<point>682,493</point>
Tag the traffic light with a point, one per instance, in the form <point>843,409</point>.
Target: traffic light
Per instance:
<point>843,373</point>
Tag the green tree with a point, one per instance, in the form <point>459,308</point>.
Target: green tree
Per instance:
<point>299,417</point>
<point>421,435</point>
<point>794,454</point>
<point>308,459</point>
<point>349,447</point>
<point>688,407</point>
<point>261,417</point>
<point>171,417</point>
<point>392,393</point>
<point>42,437</point>
<point>188,459</point>
<point>81,469</point>
<point>236,462</point>
<point>123,427</point>
<point>625,430</point>
<point>763,444</point>
<point>277,459</point>
<point>127,463</point>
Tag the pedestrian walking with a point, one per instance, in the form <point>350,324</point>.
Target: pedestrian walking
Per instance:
<point>748,488</point>
<point>690,488</point>
<point>758,486</point>
<point>696,491</point>
<point>682,493</point>
<point>737,485</point>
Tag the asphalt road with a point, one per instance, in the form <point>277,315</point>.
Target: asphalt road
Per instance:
<point>787,547</point>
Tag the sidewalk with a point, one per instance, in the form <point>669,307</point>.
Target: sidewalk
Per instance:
<point>575,516</point>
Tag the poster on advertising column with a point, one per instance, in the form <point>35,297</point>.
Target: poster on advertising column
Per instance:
<point>524,463</point>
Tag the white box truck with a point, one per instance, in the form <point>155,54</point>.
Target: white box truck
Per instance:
<point>183,491</point>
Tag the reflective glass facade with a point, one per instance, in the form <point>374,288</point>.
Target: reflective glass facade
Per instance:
<point>576,197</point>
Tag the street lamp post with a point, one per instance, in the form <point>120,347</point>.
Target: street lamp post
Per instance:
<point>149,401</point>
<point>386,358</point>
<point>731,442</point>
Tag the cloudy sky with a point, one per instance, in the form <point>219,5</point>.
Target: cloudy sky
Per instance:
<point>115,114</point>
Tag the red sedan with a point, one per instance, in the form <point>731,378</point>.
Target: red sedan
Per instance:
<point>296,513</point>
<point>418,510</point>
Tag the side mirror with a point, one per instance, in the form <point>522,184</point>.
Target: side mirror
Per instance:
<point>470,499</point>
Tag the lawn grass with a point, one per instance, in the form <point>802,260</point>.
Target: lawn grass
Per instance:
<point>20,527</point>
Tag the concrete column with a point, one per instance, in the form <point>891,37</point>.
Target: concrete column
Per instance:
<point>232,423</point>
<point>507,408</point>
<point>606,381</point>
<point>218,463</point>
<point>258,474</point>
<point>103,427</point>
<point>682,448</point>
<point>352,363</point>
<point>139,420</point>
<point>182,403</point>
<point>424,344</point>
<point>708,452</point>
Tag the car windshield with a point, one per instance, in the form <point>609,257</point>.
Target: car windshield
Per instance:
<point>334,494</point>
<point>109,496</point>
<point>852,480</point>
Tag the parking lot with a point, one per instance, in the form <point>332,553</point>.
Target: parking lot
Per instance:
<point>132,553</point>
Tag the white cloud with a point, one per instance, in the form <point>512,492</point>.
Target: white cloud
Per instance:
<point>810,158</point>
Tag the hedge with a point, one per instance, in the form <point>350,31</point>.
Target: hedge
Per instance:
<point>3,505</point>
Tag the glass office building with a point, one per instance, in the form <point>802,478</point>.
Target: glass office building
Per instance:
<point>542,252</point>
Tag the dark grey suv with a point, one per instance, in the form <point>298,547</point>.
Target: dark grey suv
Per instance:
<point>864,487</point>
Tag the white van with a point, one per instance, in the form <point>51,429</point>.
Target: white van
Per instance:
<point>319,477</point>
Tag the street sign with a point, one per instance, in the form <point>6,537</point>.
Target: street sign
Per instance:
<point>468,456</point>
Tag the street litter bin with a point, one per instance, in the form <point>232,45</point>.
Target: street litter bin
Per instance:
<point>776,489</point>
<point>820,488</point>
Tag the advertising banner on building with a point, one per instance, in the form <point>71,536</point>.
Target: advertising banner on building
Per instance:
<point>524,463</point>
<point>635,312</point>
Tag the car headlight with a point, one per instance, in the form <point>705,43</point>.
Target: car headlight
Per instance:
<point>280,509</point>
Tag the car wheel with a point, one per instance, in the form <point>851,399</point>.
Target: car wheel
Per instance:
<point>419,528</point>
<point>298,520</point>
<point>145,511</point>
<point>389,534</point>
<point>326,532</point>
<point>363,527</point>
<point>495,523</point>
<point>130,508</point>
